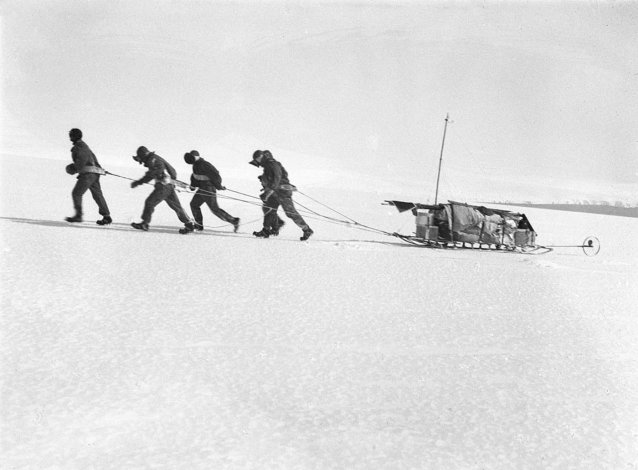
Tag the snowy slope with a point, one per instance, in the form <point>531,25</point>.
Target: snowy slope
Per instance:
<point>124,349</point>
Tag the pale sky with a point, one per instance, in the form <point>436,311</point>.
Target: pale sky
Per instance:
<point>541,92</point>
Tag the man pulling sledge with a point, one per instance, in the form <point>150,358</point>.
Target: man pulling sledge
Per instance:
<point>277,191</point>
<point>208,181</point>
<point>164,175</point>
<point>87,167</point>
<point>277,222</point>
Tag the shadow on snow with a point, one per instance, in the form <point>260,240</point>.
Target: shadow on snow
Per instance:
<point>114,226</point>
<point>173,230</point>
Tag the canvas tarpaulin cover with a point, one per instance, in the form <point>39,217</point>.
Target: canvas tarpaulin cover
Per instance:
<point>473,224</point>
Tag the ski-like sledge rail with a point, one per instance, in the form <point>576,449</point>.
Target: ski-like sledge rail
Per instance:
<point>461,225</point>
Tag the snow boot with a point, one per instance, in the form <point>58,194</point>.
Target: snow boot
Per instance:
<point>140,226</point>
<point>106,220</point>
<point>75,218</point>
<point>236,224</point>
<point>307,232</point>
<point>263,233</point>
<point>188,228</point>
<point>199,227</point>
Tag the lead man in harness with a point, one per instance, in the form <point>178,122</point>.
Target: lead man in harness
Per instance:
<point>163,174</point>
<point>208,181</point>
<point>89,170</point>
<point>277,191</point>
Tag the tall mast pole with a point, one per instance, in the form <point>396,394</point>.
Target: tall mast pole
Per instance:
<point>438,176</point>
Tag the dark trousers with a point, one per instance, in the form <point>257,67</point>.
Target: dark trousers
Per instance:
<point>281,198</point>
<point>209,197</point>
<point>277,221</point>
<point>91,182</point>
<point>163,192</point>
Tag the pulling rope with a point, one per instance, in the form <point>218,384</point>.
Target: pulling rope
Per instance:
<point>181,186</point>
<point>307,212</point>
<point>133,179</point>
<point>327,207</point>
<point>118,176</point>
<point>350,222</point>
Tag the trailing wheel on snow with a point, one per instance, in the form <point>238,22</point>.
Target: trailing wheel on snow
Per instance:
<point>591,246</point>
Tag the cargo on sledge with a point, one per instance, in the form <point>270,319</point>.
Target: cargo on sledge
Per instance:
<point>460,225</point>
<point>456,224</point>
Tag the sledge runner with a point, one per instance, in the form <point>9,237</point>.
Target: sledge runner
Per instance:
<point>208,181</point>
<point>164,175</point>
<point>86,165</point>
<point>277,191</point>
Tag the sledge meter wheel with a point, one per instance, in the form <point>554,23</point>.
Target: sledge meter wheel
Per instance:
<point>591,246</point>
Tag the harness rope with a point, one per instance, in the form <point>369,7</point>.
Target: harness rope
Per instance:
<point>311,214</point>
<point>306,211</point>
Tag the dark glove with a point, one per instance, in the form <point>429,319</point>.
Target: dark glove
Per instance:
<point>135,184</point>
<point>222,188</point>
<point>70,169</point>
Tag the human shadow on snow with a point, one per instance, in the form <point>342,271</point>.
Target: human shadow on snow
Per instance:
<point>123,227</point>
<point>173,230</point>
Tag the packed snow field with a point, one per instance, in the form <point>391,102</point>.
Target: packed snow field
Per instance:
<point>128,349</point>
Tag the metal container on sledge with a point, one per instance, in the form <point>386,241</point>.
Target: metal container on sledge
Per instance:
<point>425,227</point>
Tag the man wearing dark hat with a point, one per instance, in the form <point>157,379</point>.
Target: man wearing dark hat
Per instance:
<point>164,175</point>
<point>87,167</point>
<point>207,180</point>
<point>277,191</point>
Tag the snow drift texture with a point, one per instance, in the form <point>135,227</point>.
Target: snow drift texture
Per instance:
<point>125,349</point>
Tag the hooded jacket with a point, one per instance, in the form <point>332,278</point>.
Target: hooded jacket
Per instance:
<point>205,175</point>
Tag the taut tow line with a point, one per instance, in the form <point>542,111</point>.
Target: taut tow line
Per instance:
<point>590,246</point>
<point>181,186</point>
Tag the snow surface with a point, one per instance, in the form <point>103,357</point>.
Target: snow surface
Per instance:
<point>124,349</point>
